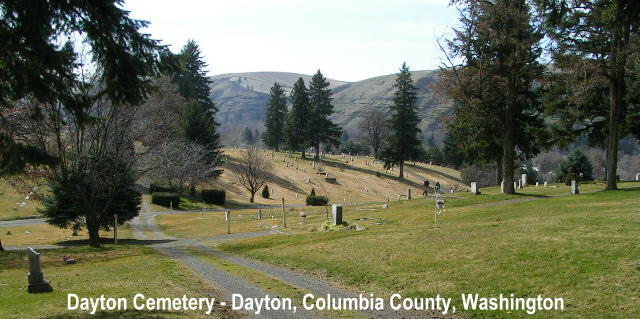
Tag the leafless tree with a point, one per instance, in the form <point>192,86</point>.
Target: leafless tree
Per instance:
<point>253,171</point>
<point>182,164</point>
<point>374,129</point>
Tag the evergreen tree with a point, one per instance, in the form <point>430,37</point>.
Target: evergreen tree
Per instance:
<point>248,136</point>
<point>495,104</point>
<point>296,129</point>
<point>321,128</point>
<point>403,143</point>
<point>265,192</point>
<point>595,47</point>
<point>273,137</point>
<point>38,60</point>
<point>576,164</point>
<point>198,118</point>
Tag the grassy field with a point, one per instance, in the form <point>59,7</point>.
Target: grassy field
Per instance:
<point>45,234</point>
<point>11,203</point>
<point>356,180</point>
<point>582,248</point>
<point>114,272</point>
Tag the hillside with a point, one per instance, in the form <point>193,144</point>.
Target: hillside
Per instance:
<point>242,99</point>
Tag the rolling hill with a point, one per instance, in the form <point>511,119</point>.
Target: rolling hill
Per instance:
<point>242,99</point>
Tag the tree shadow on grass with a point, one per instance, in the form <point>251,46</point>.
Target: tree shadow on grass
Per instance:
<point>233,165</point>
<point>344,166</point>
<point>141,242</point>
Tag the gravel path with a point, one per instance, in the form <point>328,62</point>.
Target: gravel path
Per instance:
<point>318,287</point>
<point>22,222</point>
<point>220,279</point>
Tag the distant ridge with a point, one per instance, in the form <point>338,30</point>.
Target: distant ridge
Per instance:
<point>242,98</point>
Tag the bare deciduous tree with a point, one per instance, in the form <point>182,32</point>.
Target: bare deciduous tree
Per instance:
<point>374,128</point>
<point>181,164</point>
<point>253,171</point>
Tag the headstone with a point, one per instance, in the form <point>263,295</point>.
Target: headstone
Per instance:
<point>226,215</point>
<point>331,180</point>
<point>575,189</point>
<point>474,188</point>
<point>502,187</point>
<point>524,180</point>
<point>638,177</point>
<point>520,183</point>
<point>537,184</point>
<point>408,193</point>
<point>545,184</point>
<point>336,211</point>
<point>515,185</point>
<point>37,283</point>
<point>259,213</point>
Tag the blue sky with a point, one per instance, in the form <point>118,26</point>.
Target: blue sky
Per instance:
<point>347,40</point>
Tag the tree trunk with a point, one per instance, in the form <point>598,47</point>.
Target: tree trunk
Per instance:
<point>94,231</point>
<point>1,248</point>
<point>508,147</point>
<point>401,170</point>
<point>498,172</point>
<point>616,101</point>
<point>253,195</point>
<point>303,156</point>
<point>317,151</point>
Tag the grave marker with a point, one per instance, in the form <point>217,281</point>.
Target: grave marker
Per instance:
<point>227,216</point>
<point>37,283</point>
<point>575,188</point>
<point>336,211</point>
<point>408,193</point>
<point>474,188</point>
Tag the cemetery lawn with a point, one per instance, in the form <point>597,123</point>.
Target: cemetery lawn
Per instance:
<point>120,271</point>
<point>10,204</point>
<point>583,248</point>
<point>41,234</point>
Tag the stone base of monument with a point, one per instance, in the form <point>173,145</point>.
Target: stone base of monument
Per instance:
<point>44,286</point>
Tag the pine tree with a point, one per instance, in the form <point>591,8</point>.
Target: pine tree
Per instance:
<point>36,60</point>
<point>595,46</point>
<point>248,136</point>
<point>321,129</point>
<point>198,118</point>
<point>297,121</point>
<point>403,143</point>
<point>496,105</point>
<point>273,137</point>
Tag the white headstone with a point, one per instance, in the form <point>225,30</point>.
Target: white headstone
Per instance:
<point>336,211</point>
<point>537,184</point>
<point>545,184</point>
<point>474,188</point>
<point>524,180</point>
<point>638,177</point>
<point>575,189</point>
<point>502,187</point>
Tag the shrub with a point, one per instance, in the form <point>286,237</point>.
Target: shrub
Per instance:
<point>213,196</point>
<point>571,177</point>
<point>576,164</point>
<point>161,188</point>
<point>377,174</point>
<point>265,192</point>
<point>313,200</point>
<point>313,191</point>
<point>166,199</point>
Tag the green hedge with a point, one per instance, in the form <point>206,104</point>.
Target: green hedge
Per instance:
<point>165,199</point>
<point>161,188</point>
<point>313,200</point>
<point>213,196</point>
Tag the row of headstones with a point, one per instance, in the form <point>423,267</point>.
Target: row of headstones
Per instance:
<point>475,190</point>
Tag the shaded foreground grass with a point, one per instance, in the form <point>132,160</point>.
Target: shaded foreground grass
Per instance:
<point>582,248</point>
<point>120,271</point>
